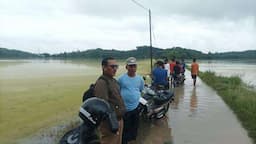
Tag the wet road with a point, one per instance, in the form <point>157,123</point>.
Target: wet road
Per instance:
<point>197,116</point>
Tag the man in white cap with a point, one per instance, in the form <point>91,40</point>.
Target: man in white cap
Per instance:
<point>131,86</point>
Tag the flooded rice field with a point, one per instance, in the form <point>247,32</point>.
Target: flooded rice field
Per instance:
<point>43,94</point>
<point>245,69</point>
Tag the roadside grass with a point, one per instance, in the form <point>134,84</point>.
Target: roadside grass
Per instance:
<point>238,96</point>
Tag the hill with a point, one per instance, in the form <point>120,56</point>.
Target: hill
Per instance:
<point>15,54</point>
<point>141,52</point>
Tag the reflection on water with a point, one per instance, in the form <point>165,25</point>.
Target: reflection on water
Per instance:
<point>193,102</point>
<point>199,116</point>
<point>45,68</point>
<point>156,132</point>
<point>178,91</point>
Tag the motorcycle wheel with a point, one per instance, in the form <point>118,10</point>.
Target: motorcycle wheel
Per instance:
<point>71,137</point>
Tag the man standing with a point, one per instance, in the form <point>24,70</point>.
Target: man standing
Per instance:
<point>194,71</point>
<point>107,88</point>
<point>167,66</point>
<point>172,64</point>
<point>176,73</point>
<point>131,86</point>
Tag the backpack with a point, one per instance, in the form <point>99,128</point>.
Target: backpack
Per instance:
<point>90,91</point>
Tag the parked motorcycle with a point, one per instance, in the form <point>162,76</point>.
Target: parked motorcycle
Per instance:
<point>92,112</point>
<point>155,102</point>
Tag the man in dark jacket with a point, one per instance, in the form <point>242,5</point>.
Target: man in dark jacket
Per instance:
<point>108,89</point>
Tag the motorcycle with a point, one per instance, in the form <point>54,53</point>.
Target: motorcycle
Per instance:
<point>179,80</point>
<point>92,112</point>
<point>155,101</point>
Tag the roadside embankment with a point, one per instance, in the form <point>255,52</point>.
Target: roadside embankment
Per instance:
<point>239,97</point>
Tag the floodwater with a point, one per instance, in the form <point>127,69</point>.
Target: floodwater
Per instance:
<point>245,69</point>
<point>197,116</point>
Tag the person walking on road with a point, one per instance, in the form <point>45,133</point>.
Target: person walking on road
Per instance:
<point>131,86</point>
<point>194,71</point>
<point>108,89</point>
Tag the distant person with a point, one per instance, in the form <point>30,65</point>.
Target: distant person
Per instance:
<point>172,64</point>
<point>159,75</point>
<point>131,86</point>
<point>167,67</point>
<point>107,88</point>
<point>194,71</point>
<point>183,67</point>
<point>176,70</point>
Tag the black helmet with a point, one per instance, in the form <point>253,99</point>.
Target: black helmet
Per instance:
<point>94,110</point>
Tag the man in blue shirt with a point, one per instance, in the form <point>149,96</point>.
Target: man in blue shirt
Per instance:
<point>131,86</point>
<point>159,75</point>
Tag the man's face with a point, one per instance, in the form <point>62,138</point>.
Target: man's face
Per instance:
<point>131,69</point>
<point>111,68</point>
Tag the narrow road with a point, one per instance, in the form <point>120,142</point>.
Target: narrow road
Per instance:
<point>197,116</point>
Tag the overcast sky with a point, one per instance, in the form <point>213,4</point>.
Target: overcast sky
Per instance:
<point>55,26</point>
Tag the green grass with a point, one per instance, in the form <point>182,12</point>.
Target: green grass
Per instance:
<point>238,96</point>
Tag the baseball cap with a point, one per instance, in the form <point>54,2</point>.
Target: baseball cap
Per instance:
<point>131,61</point>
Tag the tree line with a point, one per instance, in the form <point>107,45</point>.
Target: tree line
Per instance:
<point>141,52</point>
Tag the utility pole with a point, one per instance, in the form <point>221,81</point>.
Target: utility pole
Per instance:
<point>150,34</point>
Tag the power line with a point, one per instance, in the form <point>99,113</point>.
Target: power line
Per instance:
<point>140,5</point>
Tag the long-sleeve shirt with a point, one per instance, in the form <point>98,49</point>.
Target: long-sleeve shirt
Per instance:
<point>110,92</point>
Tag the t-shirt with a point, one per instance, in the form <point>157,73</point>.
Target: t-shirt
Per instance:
<point>131,88</point>
<point>177,69</point>
<point>172,64</point>
<point>183,67</point>
<point>159,76</point>
<point>167,67</point>
<point>194,68</point>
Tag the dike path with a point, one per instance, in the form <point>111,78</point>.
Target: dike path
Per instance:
<point>198,115</point>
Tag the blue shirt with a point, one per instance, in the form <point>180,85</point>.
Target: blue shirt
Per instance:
<point>131,88</point>
<point>159,76</point>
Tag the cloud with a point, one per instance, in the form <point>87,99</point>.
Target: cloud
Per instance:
<point>207,35</point>
<point>70,25</point>
<point>195,8</point>
<point>216,9</point>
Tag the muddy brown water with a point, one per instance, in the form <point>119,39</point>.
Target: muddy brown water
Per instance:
<point>197,116</point>
<point>245,69</point>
